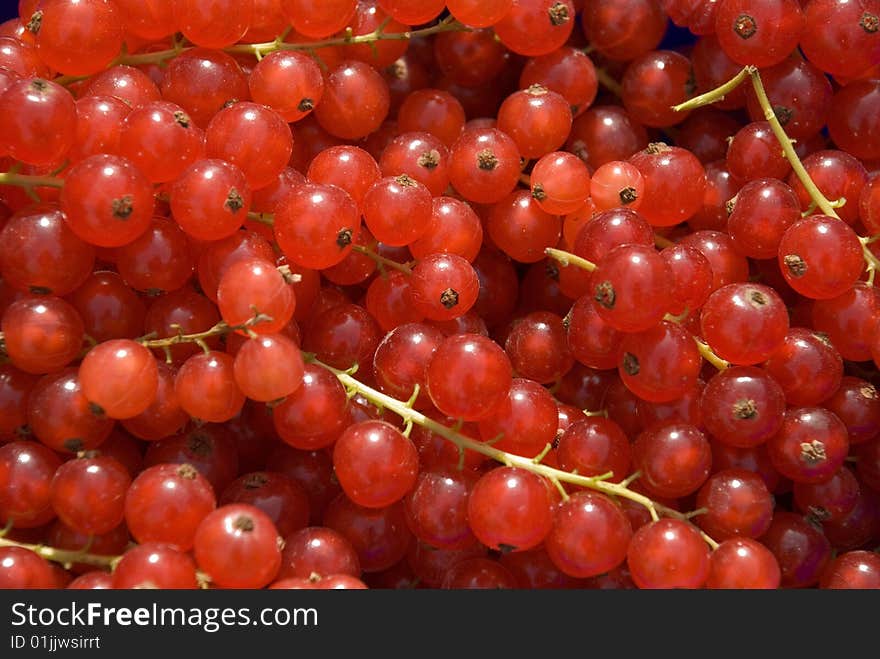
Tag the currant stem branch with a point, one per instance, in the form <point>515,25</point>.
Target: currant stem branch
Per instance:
<point>567,258</point>
<point>382,260</point>
<point>791,155</point>
<point>597,483</point>
<point>63,556</point>
<point>817,197</point>
<point>717,94</point>
<point>608,82</point>
<point>30,181</point>
<point>449,24</point>
<point>709,355</point>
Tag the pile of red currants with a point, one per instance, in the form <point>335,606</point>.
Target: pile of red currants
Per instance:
<point>425,294</point>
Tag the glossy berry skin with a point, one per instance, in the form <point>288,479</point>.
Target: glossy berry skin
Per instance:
<point>318,550</point>
<point>479,13</point>
<point>536,27</point>
<point>268,367</point>
<point>155,565</point>
<point>510,509</point>
<point>807,367</point>
<point>21,568</point>
<point>521,228</point>
<point>121,377</point>
<point>484,165</point>
<point>675,182</point>
<point>26,471</point>
<point>592,340</point>
<point>744,323</point>
<point>254,293</point>
<point>314,415</point>
<point>754,152</point>
<point>848,120</point>
<point>280,496</point>
<point>164,416</point>
<point>397,210</point>
<point>432,111</point>
<point>630,288</point>
<point>525,423</point>
<point>400,359</point>
<point>801,549</point>
<point>61,417</point>
<point>237,546</point>
<point>166,502</point>
<point>537,119</point>
<point>436,508</point>
<point>375,463</point>
<point>742,406</point>
<point>659,364</point>
<point>15,387</point>
<point>347,167</point>
<point>206,389</point>
<point>39,253</point>
<point>478,573</point>
<point>201,81</point>
<point>675,459</point>
<point>356,101</point>
<point>738,504</point>
<point>668,553</point>
<point>252,137</point>
<point>107,201</point>
<point>443,286</point>
<point>79,38</point>
<point>89,494</point>
<point>538,348</point>
<point>210,199</point>
<point>691,277</point>
<point>811,445</point>
<point>93,580</point>
<point>160,259</point>
<point>42,334</point>
<point>560,182</point>
<point>160,139</point>
<point>590,535</point>
<point>316,225</point>
<point>213,24</point>
<point>820,257</point>
<point>856,403</point>
<point>380,536</point>
<point>740,563</point>
<point>317,18</point>
<point>851,41</point>
<point>652,84</point>
<point>852,570</point>
<point>759,33</point>
<point>468,376</point>
<point>595,446</point>
<point>849,321</point>
<point>421,156</point>
<point>831,500</point>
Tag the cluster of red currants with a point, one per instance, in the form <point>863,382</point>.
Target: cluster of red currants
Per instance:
<point>420,293</point>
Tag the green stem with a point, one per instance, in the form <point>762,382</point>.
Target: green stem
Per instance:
<point>788,148</point>
<point>263,218</point>
<point>466,443</point>
<point>261,49</point>
<point>716,94</point>
<point>608,82</point>
<point>381,260</point>
<point>63,556</point>
<point>29,181</point>
<point>710,356</point>
<point>567,258</point>
<point>872,261</point>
